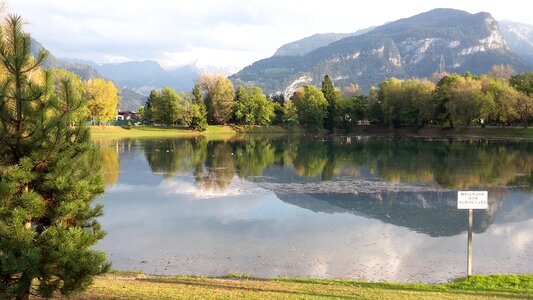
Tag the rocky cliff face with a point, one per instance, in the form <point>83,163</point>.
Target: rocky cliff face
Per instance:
<point>519,39</point>
<point>438,40</point>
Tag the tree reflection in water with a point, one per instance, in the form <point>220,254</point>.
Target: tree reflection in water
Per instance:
<point>447,164</point>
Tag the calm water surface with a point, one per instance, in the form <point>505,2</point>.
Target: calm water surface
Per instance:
<point>366,209</point>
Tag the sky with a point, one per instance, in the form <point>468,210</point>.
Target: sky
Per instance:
<point>213,33</point>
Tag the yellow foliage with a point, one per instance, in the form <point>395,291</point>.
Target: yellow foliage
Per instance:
<point>103,99</point>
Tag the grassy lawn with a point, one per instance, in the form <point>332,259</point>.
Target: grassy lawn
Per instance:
<point>138,286</point>
<point>117,132</point>
<point>156,131</point>
<point>219,131</point>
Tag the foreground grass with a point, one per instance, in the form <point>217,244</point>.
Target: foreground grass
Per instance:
<point>139,286</point>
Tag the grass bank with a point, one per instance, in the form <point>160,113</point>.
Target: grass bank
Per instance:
<point>139,286</point>
<point>226,132</point>
<point>213,131</point>
<point>115,132</point>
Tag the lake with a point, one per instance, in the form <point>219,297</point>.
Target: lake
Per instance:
<point>371,209</point>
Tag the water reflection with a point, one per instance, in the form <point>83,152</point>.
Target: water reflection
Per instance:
<point>447,164</point>
<point>367,209</point>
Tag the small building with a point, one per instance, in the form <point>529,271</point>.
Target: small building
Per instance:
<point>126,115</point>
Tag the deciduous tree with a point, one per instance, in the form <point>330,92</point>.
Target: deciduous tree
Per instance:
<point>311,105</point>
<point>219,97</point>
<point>103,100</point>
<point>252,107</point>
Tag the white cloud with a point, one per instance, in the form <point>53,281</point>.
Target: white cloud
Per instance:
<point>220,33</point>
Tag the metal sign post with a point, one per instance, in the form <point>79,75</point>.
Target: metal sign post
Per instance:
<point>471,200</point>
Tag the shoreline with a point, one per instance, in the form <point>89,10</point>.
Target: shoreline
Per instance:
<point>226,132</point>
<point>136,285</point>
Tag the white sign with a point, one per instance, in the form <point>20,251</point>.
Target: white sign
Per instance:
<point>472,199</point>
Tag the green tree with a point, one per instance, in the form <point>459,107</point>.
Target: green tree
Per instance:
<point>393,101</point>
<point>49,175</point>
<point>103,100</point>
<point>504,97</point>
<point>219,98</point>
<point>375,112</point>
<point>197,117</point>
<point>523,106</point>
<point>290,113</point>
<point>332,118</point>
<point>465,101</point>
<point>168,107</point>
<point>311,105</point>
<point>252,107</point>
<point>420,98</point>
<point>459,100</point>
<point>197,111</point>
<point>197,94</point>
<point>523,82</point>
<point>352,110</point>
<point>148,106</point>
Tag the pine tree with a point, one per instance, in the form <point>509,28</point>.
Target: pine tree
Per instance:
<point>197,94</point>
<point>198,111</point>
<point>49,174</point>
<point>329,93</point>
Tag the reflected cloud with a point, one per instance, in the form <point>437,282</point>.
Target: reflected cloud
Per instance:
<point>236,187</point>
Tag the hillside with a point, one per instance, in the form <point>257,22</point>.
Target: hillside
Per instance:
<point>439,40</point>
<point>84,71</point>
<point>144,76</point>
<point>310,43</point>
<point>519,39</point>
<point>130,100</point>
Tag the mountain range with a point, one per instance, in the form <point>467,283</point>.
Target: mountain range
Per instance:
<point>439,40</point>
<point>130,100</point>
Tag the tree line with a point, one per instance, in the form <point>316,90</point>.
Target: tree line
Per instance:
<point>454,100</point>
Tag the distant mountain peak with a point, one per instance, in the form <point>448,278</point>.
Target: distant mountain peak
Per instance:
<point>317,40</point>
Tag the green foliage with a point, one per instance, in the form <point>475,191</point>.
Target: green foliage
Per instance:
<point>197,117</point>
<point>375,112</point>
<point>279,113</point>
<point>406,102</point>
<point>504,97</point>
<point>465,101</point>
<point>523,82</point>
<point>328,90</point>
<point>219,98</point>
<point>290,113</point>
<point>49,175</point>
<point>197,94</point>
<point>311,106</point>
<point>393,102</point>
<point>252,107</point>
<point>352,110</point>
<point>170,108</point>
<point>166,108</point>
